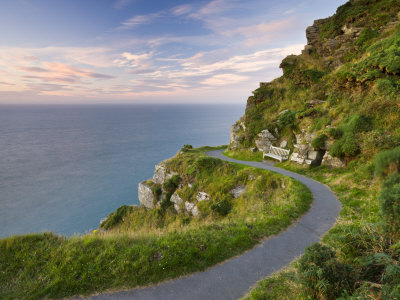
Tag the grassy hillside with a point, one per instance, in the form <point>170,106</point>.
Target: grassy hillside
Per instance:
<point>136,246</point>
<point>351,66</point>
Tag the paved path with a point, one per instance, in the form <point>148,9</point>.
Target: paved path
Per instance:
<point>232,279</point>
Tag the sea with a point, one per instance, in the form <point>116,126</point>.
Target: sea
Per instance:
<point>63,168</point>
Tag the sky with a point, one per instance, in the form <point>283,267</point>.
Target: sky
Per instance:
<point>147,51</point>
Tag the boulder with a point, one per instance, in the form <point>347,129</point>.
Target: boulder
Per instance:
<point>333,162</point>
<point>202,196</point>
<point>191,208</point>
<point>237,130</point>
<point>161,173</point>
<point>177,200</point>
<point>283,144</point>
<point>146,196</point>
<point>297,158</point>
<point>265,140</point>
<point>238,191</point>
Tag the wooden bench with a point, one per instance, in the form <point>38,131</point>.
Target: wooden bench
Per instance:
<point>277,153</point>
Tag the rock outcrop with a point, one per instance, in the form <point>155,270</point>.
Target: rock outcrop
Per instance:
<point>265,140</point>
<point>202,196</point>
<point>191,208</point>
<point>237,133</point>
<point>146,196</point>
<point>333,162</point>
<point>336,48</point>
<point>304,153</point>
<point>161,173</point>
<point>177,200</point>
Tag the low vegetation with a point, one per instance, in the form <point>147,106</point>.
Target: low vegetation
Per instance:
<point>136,246</point>
<point>355,118</point>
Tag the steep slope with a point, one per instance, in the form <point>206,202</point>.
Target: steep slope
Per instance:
<point>338,105</point>
<point>341,94</point>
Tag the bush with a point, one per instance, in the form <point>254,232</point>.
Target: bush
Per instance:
<point>319,142</point>
<point>390,201</point>
<point>387,162</point>
<point>336,149</point>
<point>186,148</point>
<point>322,275</point>
<point>171,185</point>
<point>349,145</point>
<point>356,124</point>
<point>336,133</point>
<point>222,207</point>
<point>287,119</point>
<point>116,217</point>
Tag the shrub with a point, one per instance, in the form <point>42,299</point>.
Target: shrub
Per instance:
<point>186,148</point>
<point>387,162</point>
<point>222,207</point>
<point>207,163</point>
<point>322,275</point>
<point>320,123</point>
<point>349,145</point>
<point>287,119</point>
<point>319,142</point>
<point>336,133</point>
<point>171,185</point>
<point>356,124</point>
<point>390,201</point>
<point>336,149</point>
<point>116,217</point>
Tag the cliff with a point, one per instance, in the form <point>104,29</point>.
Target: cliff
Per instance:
<point>339,100</point>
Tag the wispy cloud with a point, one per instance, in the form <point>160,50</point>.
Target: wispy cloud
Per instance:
<point>223,79</point>
<point>140,20</point>
<point>121,4</point>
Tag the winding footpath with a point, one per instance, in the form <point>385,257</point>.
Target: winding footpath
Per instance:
<point>233,278</point>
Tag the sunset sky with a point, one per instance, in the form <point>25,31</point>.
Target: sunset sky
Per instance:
<point>147,51</point>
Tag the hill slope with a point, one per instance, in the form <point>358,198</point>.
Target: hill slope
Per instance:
<point>337,108</point>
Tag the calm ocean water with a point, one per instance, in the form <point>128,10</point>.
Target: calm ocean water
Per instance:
<point>63,168</point>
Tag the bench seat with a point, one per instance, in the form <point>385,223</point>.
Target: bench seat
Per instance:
<point>277,153</point>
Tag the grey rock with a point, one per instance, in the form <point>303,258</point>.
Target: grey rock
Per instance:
<point>195,211</point>
<point>177,200</point>
<point>283,111</point>
<point>314,102</point>
<point>146,196</point>
<point>236,134</point>
<point>303,149</point>
<point>333,162</point>
<point>202,196</point>
<point>312,154</point>
<point>161,173</point>
<point>238,191</point>
<point>264,140</point>
<point>283,144</point>
<point>297,158</point>
<point>253,149</point>
<point>191,208</point>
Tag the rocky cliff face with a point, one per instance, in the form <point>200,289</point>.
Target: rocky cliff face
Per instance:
<point>237,134</point>
<point>151,199</point>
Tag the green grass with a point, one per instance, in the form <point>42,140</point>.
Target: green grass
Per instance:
<point>353,235</point>
<point>245,154</point>
<point>144,247</point>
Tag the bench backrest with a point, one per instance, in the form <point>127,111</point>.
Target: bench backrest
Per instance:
<point>279,151</point>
